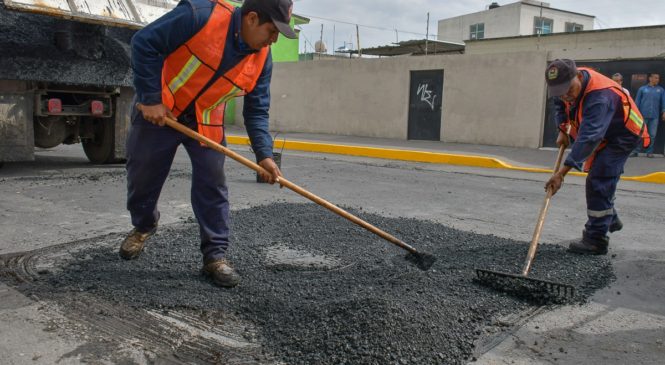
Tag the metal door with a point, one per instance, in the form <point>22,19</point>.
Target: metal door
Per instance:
<point>425,104</point>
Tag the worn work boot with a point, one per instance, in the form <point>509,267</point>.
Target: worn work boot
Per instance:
<point>134,242</point>
<point>617,225</point>
<point>222,273</point>
<point>590,246</point>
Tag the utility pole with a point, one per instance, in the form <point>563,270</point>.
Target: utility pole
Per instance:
<point>396,37</point>
<point>321,42</point>
<point>542,25</point>
<point>333,44</point>
<point>427,34</point>
<point>360,52</point>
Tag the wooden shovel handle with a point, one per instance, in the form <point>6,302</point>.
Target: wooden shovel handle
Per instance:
<point>533,247</point>
<point>284,182</point>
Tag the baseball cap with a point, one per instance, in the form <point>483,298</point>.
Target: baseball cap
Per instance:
<point>558,75</point>
<point>279,12</point>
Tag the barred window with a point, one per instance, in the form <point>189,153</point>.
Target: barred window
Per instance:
<point>477,31</point>
<point>574,27</point>
<point>542,25</point>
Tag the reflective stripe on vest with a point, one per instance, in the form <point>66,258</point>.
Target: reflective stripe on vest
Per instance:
<point>185,74</point>
<point>206,117</point>
<point>188,72</point>
<point>636,118</point>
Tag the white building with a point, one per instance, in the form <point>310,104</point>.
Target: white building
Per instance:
<point>525,17</point>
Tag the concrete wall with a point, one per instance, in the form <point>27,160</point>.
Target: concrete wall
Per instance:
<point>494,100</point>
<point>612,44</point>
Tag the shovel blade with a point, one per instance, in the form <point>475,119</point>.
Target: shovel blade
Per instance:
<point>422,260</point>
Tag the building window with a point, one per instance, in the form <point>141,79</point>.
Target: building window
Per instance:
<point>574,27</point>
<point>477,31</point>
<point>542,25</point>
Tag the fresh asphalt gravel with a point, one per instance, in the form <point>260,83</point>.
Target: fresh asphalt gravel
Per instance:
<point>360,303</point>
<point>93,55</point>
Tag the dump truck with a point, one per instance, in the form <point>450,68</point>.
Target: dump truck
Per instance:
<point>65,74</point>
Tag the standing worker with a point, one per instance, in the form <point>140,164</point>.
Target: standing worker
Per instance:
<point>618,78</point>
<point>650,100</point>
<point>188,64</point>
<point>606,126</point>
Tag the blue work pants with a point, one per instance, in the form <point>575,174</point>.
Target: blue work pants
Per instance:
<point>150,153</point>
<point>600,191</point>
<point>652,126</point>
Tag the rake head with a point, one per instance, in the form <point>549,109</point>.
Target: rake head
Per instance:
<point>541,291</point>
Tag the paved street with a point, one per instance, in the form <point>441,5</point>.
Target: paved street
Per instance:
<point>60,198</point>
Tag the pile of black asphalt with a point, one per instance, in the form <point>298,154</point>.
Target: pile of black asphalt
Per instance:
<point>39,47</point>
<point>370,307</point>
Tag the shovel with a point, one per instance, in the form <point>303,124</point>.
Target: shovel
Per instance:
<point>422,260</point>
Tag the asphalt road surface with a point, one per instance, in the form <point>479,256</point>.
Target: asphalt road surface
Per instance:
<point>60,299</point>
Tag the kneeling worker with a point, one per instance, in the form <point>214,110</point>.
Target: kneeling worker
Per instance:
<point>605,126</point>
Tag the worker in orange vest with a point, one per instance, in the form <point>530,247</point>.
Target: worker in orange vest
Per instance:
<point>605,126</point>
<point>187,65</point>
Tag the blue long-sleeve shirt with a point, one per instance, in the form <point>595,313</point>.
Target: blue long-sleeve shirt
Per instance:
<point>152,44</point>
<point>650,101</point>
<point>602,119</point>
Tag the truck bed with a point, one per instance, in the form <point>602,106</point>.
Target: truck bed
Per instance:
<point>99,57</point>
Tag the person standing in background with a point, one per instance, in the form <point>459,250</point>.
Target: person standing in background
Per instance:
<point>650,101</point>
<point>618,78</point>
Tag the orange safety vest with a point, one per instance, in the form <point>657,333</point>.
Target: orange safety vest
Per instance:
<point>633,121</point>
<point>190,68</point>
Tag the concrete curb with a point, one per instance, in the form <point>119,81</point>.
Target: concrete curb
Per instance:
<point>423,156</point>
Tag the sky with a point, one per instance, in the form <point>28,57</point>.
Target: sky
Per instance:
<point>409,18</point>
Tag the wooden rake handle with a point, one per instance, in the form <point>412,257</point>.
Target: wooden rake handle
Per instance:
<point>533,247</point>
<point>284,182</point>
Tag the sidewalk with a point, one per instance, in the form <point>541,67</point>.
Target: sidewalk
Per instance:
<point>525,159</point>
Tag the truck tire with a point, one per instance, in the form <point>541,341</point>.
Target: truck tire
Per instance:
<point>99,149</point>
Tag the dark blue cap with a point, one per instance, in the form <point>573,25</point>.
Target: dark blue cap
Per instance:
<point>559,74</point>
<point>279,12</point>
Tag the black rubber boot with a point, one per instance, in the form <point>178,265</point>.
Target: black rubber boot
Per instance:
<point>616,225</point>
<point>590,246</point>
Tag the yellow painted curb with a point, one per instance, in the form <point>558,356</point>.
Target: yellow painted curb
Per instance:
<point>423,156</point>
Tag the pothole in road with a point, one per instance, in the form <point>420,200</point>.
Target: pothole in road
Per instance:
<point>316,289</point>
